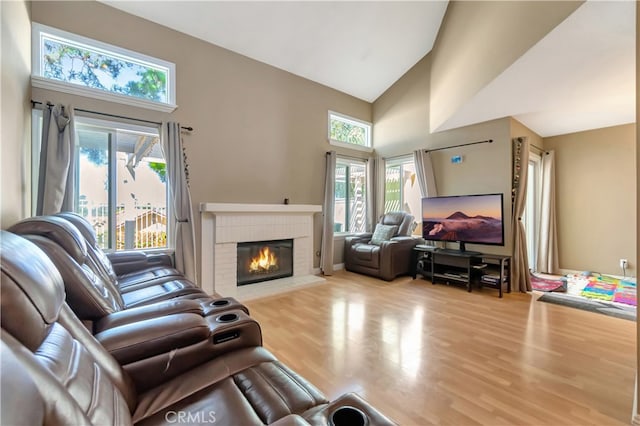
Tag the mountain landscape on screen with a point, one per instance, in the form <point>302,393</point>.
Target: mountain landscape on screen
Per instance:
<point>460,227</point>
<point>464,218</point>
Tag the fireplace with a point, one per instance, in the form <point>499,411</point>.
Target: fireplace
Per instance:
<point>260,261</point>
<point>225,225</point>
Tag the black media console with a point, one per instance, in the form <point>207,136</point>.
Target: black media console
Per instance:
<point>464,268</point>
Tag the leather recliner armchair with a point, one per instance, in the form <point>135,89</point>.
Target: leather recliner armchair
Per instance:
<point>385,259</point>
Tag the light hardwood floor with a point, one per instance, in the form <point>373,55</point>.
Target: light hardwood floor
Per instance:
<point>433,354</point>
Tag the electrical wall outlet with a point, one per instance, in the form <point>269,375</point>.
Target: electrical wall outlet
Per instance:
<point>623,263</point>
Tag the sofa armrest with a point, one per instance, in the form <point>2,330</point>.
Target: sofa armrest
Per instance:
<point>143,339</point>
<point>326,414</point>
<point>141,313</point>
<point>124,262</point>
<point>233,330</point>
<point>406,240</point>
<point>364,238</point>
<point>395,257</point>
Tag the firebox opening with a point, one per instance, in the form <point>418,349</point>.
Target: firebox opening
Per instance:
<point>264,260</point>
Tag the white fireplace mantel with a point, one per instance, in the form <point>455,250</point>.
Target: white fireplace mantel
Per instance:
<point>222,208</point>
<point>224,225</point>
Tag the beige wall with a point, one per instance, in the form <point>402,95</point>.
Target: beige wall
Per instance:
<point>518,129</point>
<point>596,198</point>
<point>401,125</point>
<point>480,39</point>
<point>260,133</point>
<point>16,115</point>
<point>401,113</point>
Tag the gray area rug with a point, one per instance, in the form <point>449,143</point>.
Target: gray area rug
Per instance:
<point>624,312</point>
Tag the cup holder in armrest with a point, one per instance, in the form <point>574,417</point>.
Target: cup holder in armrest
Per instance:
<point>225,318</point>
<point>348,416</point>
<point>223,304</point>
<point>231,330</point>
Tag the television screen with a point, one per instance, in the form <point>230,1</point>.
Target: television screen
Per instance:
<point>466,218</point>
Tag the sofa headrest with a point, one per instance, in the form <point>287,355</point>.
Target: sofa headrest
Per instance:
<point>102,263</point>
<point>56,229</point>
<point>82,224</point>
<point>31,288</point>
<point>401,219</point>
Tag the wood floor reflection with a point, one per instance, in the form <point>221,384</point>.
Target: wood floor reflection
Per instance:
<point>426,354</point>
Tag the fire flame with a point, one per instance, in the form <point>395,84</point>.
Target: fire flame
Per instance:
<point>266,261</point>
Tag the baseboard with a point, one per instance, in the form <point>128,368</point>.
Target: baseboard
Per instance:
<point>635,421</point>
<point>572,272</point>
<point>336,267</point>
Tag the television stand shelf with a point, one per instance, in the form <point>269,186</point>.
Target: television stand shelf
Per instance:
<point>454,267</point>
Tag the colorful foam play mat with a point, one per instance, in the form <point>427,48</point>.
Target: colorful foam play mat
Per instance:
<point>590,291</point>
<point>610,289</point>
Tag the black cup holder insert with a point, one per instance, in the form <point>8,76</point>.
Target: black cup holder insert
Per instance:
<point>220,302</point>
<point>227,318</point>
<point>348,416</point>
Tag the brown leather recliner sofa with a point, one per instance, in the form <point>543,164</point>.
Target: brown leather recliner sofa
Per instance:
<point>387,257</point>
<point>96,297</point>
<point>55,372</point>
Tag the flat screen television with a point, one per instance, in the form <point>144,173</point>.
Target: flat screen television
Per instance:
<point>474,219</point>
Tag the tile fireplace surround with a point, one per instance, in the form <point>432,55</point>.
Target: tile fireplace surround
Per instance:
<point>226,225</point>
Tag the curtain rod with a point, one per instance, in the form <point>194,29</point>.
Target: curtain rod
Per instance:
<point>350,157</point>
<point>49,104</point>
<point>458,146</point>
<point>540,149</point>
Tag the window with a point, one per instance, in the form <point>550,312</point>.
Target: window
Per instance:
<point>121,186</point>
<point>349,132</point>
<point>402,190</point>
<point>70,63</point>
<point>350,208</point>
<point>530,217</point>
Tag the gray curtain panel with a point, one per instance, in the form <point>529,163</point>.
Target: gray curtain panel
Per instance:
<point>520,278</point>
<point>372,196</point>
<point>326,252</point>
<point>380,178</point>
<point>180,198</point>
<point>424,173</point>
<point>57,166</point>
<point>547,259</point>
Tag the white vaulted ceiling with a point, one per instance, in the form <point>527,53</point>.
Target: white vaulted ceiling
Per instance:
<point>359,48</point>
<point>580,76</point>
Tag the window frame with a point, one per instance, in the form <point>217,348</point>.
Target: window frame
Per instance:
<point>347,162</point>
<point>39,32</point>
<point>354,121</point>
<point>531,213</point>
<point>401,162</point>
<point>114,126</point>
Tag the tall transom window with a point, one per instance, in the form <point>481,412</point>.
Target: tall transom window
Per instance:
<point>79,65</point>
<point>349,132</point>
